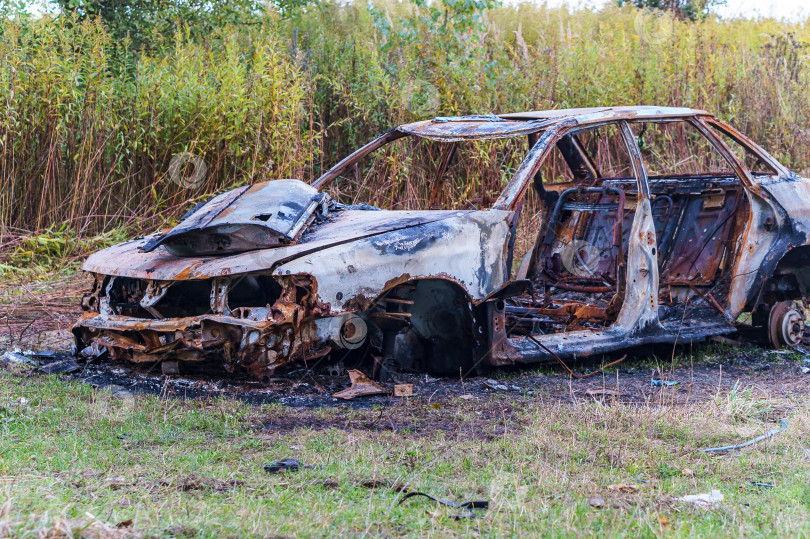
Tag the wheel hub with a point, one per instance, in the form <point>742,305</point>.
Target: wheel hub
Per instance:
<point>786,325</point>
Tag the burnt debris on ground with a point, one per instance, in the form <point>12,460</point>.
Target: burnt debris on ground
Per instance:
<point>718,368</point>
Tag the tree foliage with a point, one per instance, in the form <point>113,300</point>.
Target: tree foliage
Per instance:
<point>145,22</point>
<point>683,9</point>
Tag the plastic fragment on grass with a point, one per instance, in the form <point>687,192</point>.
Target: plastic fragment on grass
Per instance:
<point>47,355</point>
<point>704,500</point>
<point>665,383</point>
<point>60,367</point>
<point>489,383</point>
<point>783,424</point>
<point>284,465</point>
<point>603,392</point>
<point>16,359</point>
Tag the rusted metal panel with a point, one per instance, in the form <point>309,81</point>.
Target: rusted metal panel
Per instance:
<point>472,128</point>
<point>467,249</point>
<point>640,305</point>
<point>266,214</point>
<point>588,342</point>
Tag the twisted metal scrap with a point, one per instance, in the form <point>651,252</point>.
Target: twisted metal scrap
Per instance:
<point>783,424</point>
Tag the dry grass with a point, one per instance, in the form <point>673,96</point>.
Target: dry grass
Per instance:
<point>37,314</point>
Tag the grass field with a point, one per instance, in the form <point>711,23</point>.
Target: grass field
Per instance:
<point>76,458</point>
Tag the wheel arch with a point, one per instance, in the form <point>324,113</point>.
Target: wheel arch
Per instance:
<point>790,278</point>
<point>427,323</point>
<point>779,310</point>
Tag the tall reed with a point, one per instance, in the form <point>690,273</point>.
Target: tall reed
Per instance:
<point>89,127</point>
<point>88,130</point>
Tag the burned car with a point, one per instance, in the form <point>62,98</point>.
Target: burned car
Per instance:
<point>574,233</point>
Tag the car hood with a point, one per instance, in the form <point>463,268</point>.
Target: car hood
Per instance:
<point>266,214</point>
<point>149,258</point>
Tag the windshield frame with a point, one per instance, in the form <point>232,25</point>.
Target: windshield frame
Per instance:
<point>451,129</point>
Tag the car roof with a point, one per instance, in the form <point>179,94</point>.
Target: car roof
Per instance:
<point>598,114</point>
<point>453,128</point>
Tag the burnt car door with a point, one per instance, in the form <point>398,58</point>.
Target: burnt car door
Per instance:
<point>700,208</point>
<point>592,269</point>
<point>588,189</point>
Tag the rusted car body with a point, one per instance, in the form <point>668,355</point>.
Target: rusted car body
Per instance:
<point>279,272</point>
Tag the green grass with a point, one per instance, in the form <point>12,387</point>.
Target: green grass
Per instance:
<point>194,468</point>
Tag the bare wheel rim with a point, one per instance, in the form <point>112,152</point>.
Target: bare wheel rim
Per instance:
<point>786,325</point>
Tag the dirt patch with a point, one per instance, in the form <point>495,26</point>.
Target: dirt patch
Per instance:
<point>485,419</point>
<point>89,482</point>
<point>207,484</point>
<point>696,375</point>
<point>773,374</point>
<point>39,315</point>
